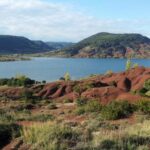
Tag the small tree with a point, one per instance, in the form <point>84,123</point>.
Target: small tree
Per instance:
<point>128,64</point>
<point>67,77</point>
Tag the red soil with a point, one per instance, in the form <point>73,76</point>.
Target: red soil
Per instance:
<point>105,88</point>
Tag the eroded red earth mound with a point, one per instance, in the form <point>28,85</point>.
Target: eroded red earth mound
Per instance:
<point>105,88</point>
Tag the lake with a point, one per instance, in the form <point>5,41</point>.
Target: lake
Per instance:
<point>51,69</point>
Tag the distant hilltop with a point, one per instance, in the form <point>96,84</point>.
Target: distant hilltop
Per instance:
<point>108,45</point>
<point>101,45</point>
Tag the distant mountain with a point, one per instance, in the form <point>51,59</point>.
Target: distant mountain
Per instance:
<point>103,45</point>
<point>59,45</point>
<point>21,45</point>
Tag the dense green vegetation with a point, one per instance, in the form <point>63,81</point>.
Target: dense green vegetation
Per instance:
<point>114,110</point>
<point>97,132</point>
<point>144,106</point>
<point>21,45</point>
<point>117,110</point>
<point>17,81</point>
<point>50,137</point>
<point>145,91</point>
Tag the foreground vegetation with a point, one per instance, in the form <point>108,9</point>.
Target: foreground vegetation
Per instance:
<point>118,125</point>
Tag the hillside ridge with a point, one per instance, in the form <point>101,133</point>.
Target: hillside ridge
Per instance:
<point>109,45</point>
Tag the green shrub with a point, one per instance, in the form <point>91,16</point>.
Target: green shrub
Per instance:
<point>17,81</point>
<point>135,65</point>
<point>109,73</point>
<point>7,118</point>
<point>3,81</point>
<point>43,82</point>
<point>50,136</point>
<point>147,85</point>
<point>142,91</point>
<point>144,106</point>
<point>117,110</point>
<point>81,102</point>
<point>84,106</point>
<point>67,77</point>
<point>80,110</point>
<point>145,91</point>
<point>93,106</point>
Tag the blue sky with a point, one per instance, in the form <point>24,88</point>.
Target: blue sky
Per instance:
<point>73,20</point>
<point>113,9</point>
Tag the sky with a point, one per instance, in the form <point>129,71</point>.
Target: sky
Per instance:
<point>73,20</point>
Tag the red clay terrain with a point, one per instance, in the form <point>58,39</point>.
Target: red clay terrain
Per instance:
<point>105,88</point>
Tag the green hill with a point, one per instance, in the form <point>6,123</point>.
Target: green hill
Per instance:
<point>109,45</point>
<point>21,45</point>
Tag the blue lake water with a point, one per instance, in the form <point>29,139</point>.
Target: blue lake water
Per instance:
<point>51,69</point>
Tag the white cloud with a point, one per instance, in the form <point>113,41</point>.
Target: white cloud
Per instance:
<point>40,19</point>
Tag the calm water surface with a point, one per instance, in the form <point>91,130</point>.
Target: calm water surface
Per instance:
<point>51,69</point>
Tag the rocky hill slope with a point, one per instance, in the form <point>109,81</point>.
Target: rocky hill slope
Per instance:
<point>111,109</point>
<point>104,45</point>
<point>105,88</point>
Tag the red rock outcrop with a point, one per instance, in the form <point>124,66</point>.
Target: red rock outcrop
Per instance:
<point>104,87</point>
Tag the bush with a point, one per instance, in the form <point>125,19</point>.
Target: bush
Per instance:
<point>80,110</point>
<point>87,106</point>
<point>43,82</point>
<point>3,81</point>
<point>50,136</point>
<point>147,85</point>
<point>142,91</point>
<point>17,81</point>
<point>144,106</point>
<point>93,106</point>
<point>6,117</point>
<point>145,91</point>
<point>109,73</point>
<point>67,77</point>
<point>81,102</point>
<point>117,110</point>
